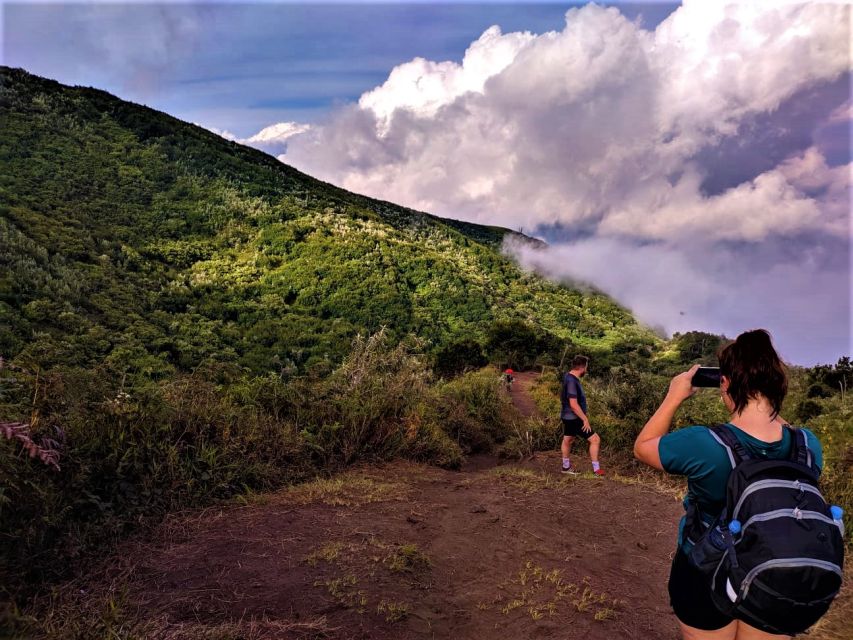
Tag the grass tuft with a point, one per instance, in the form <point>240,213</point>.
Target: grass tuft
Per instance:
<point>345,490</point>
<point>527,480</point>
<point>329,552</point>
<point>393,611</point>
<point>543,593</point>
<point>408,558</point>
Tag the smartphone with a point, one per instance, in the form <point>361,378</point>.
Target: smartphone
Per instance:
<point>706,377</point>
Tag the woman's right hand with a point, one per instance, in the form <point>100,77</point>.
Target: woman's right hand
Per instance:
<point>681,386</point>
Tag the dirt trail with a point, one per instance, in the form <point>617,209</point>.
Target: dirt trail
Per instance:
<point>411,551</point>
<point>520,393</point>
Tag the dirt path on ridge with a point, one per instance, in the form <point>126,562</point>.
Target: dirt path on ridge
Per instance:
<point>520,393</point>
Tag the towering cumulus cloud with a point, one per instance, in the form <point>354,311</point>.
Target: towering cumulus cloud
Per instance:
<point>694,171</point>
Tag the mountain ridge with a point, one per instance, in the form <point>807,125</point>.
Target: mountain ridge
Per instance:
<point>468,228</point>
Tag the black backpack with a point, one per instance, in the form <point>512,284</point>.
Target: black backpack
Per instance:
<point>774,556</point>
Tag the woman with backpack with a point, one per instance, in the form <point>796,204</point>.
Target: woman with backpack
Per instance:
<point>759,551</point>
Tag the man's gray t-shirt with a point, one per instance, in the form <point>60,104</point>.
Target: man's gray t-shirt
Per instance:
<point>571,388</point>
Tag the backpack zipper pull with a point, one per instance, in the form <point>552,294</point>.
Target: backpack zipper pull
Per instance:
<point>801,491</point>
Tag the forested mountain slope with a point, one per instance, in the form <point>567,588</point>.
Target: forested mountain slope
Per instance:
<point>131,238</point>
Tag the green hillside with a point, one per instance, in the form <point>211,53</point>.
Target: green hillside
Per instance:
<point>132,238</point>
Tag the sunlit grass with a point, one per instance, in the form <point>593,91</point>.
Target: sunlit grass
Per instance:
<point>544,593</point>
<point>346,490</point>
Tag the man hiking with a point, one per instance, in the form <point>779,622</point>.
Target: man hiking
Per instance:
<point>573,415</point>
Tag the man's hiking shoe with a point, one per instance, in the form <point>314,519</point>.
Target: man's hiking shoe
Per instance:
<point>599,472</point>
<point>569,470</point>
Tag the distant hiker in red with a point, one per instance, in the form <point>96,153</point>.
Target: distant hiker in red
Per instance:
<point>574,417</point>
<point>508,378</point>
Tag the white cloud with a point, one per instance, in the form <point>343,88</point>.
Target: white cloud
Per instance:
<point>632,274</point>
<point>277,133</point>
<point>589,123</point>
<point>220,132</point>
<point>722,61</point>
<point>272,139</point>
<point>422,86</point>
<point>843,113</point>
<point>773,203</point>
<point>680,288</point>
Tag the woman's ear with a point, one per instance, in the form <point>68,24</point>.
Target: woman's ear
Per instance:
<point>724,394</point>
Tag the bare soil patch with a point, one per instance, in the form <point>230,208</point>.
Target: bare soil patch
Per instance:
<point>409,551</point>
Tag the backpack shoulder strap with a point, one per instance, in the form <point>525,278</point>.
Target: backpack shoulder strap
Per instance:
<point>801,453</point>
<point>726,438</point>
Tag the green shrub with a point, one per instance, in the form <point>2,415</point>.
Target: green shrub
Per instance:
<point>426,441</point>
<point>836,377</point>
<point>458,357</point>
<point>530,435</point>
<point>628,394</point>
<point>127,457</point>
<point>359,411</point>
<point>475,411</point>
<point>546,393</point>
<point>698,347</point>
<point>818,390</point>
<point>130,454</point>
<point>832,427</point>
<point>519,345</point>
<point>807,410</point>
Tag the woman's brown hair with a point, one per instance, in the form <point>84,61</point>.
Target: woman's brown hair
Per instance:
<point>753,367</point>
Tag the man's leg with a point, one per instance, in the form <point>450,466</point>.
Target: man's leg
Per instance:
<point>594,444</point>
<point>566,449</point>
<point>567,446</point>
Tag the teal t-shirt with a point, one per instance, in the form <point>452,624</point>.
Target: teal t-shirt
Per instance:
<point>693,452</point>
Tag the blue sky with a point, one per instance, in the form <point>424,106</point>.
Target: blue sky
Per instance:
<point>240,67</point>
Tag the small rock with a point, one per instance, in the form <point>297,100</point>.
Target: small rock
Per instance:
<point>412,520</point>
<point>643,546</point>
<point>479,509</point>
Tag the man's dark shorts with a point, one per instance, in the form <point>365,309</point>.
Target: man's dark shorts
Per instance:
<point>574,428</point>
